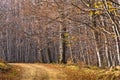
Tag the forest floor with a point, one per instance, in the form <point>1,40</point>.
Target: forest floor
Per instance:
<point>39,72</point>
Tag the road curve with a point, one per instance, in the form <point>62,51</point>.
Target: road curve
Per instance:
<point>39,72</point>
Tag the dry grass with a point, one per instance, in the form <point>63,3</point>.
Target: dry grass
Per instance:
<point>12,74</point>
<point>84,72</point>
<point>8,72</point>
<point>92,73</point>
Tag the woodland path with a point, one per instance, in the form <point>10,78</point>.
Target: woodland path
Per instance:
<point>39,72</point>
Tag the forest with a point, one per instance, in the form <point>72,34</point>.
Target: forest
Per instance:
<point>60,31</point>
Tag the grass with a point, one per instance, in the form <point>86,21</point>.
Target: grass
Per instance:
<point>92,73</point>
<point>76,72</point>
<point>8,72</point>
<point>12,74</point>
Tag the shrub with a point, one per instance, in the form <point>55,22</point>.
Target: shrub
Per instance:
<point>4,67</point>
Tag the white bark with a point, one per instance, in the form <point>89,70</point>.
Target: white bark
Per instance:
<point>97,52</point>
<point>115,29</point>
<point>117,43</point>
<point>60,44</point>
<point>106,51</point>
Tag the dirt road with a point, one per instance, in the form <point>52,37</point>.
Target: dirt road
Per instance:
<point>39,72</point>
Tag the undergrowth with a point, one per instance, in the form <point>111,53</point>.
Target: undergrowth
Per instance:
<point>90,73</point>
<point>8,72</point>
<point>81,71</point>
